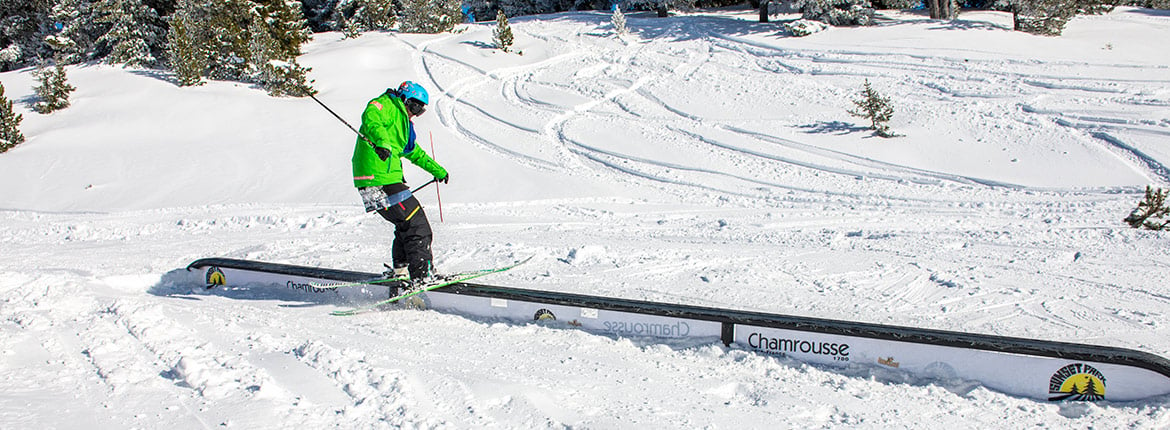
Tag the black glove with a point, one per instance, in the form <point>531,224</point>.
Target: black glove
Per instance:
<point>443,179</point>
<point>383,153</point>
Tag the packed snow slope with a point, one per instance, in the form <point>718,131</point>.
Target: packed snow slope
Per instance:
<point>704,159</point>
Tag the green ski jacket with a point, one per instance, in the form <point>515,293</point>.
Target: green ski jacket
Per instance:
<point>387,125</point>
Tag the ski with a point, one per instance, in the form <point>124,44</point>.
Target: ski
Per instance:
<point>371,281</point>
<point>443,281</point>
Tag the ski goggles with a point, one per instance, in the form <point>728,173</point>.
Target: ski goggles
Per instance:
<point>415,107</point>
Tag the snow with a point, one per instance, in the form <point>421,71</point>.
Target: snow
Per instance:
<point>705,159</point>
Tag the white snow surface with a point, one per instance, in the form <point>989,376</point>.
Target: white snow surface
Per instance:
<point>704,159</point>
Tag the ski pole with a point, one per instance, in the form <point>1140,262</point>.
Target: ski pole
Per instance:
<point>339,118</point>
<point>437,195</point>
<point>425,185</point>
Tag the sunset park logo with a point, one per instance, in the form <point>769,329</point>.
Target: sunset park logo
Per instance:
<point>1077,381</point>
<point>215,277</point>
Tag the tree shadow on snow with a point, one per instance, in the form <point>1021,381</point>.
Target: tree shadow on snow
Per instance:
<point>161,75</point>
<point>832,127</point>
<point>479,44</point>
<point>1160,13</point>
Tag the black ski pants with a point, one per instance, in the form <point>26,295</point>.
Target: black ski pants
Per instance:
<point>412,236</point>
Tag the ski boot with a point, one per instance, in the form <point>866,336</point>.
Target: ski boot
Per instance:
<point>403,282</point>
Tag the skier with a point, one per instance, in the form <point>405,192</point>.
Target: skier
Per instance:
<point>377,174</point>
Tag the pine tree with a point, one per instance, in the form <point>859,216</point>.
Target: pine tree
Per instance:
<point>370,15</point>
<point>187,59</point>
<point>24,24</point>
<point>226,38</point>
<point>1048,17</point>
<point>430,16</point>
<point>10,134</point>
<point>837,12</point>
<point>502,34</point>
<point>75,41</point>
<point>53,90</point>
<point>285,22</point>
<point>287,79</point>
<point>276,69</point>
<point>276,43</point>
<point>241,40</point>
<point>1152,213</point>
<point>134,30</point>
<point>876,108</point>
<point>619,21</point>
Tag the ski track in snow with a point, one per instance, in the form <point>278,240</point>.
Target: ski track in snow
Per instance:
<point>767,218</point>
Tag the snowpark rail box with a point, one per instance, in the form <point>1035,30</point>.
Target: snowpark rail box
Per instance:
<point>1037,369</point>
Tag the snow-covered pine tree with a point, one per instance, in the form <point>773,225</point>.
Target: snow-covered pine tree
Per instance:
<point>349,28</point>
<point>185,53</point>
<point>286,79</point>
<point>662,7</point>
<point>837,12</point>
<point>523,7</point>
<point>430,16</point>
<point>274,63</point>
<point>619,21</point>
<point>286,23</point>
<point>135,30</point>
<point>225,38</point>
<point>1048,17</point>
<point>896,4</point>
<point>24,24</point>
<point>1152,213</point>
<point>241,40</point>
<point>876,108</point>
<point>502,34</point>
<point>354,17</point>
<point>374,15</point>
<point>279,72</point>
<point>74,42</point>
<point>54,89</point>
<point>10,134</point>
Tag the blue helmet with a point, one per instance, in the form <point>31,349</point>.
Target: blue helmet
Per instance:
<point>411,90</point>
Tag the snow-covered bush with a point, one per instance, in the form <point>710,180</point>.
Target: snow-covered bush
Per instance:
<point>618,19</point>
<point>10,134</point>
<point>805,27</point>
<point>1152,213</point>
<point>837,12</point>
<point>9,55</point>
